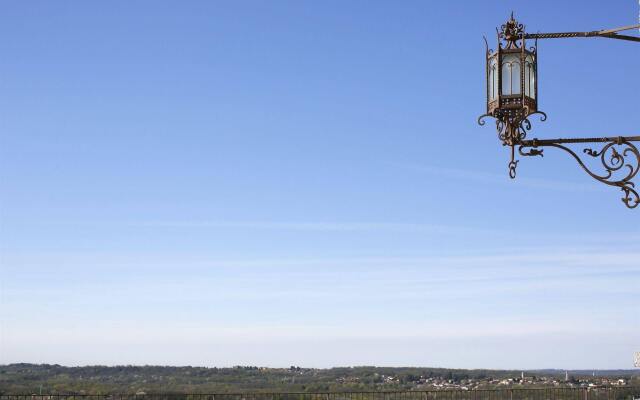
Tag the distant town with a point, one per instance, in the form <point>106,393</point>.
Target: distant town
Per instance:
<point>525,380</point>
<point>57,379</point>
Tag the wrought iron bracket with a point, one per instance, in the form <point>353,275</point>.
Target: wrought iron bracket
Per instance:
<point>619,160</point>
<point>619,157</point>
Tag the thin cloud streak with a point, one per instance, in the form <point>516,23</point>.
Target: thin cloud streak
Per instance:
<point>487,177</point>
<point>309,226</point>
<point>153,331</point>
<point>600,239</point>
<point>557,257</point>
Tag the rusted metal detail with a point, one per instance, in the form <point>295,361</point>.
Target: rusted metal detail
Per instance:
<point>605,33</point>
<point>511,32</point>
<point>614,139</point>
<point>619,161</point>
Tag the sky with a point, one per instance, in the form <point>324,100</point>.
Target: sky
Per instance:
<point>304,183</point>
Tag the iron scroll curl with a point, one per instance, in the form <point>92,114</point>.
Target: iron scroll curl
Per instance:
<point>619,161</point>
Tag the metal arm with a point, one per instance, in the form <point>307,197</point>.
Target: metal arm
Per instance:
<point>619,160</point>
<point>615,139</point>
<point>606,33</point>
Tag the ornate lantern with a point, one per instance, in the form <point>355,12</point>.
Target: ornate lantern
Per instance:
<point>512,86</point>
<point>512,98</point>
<point>511,74</point>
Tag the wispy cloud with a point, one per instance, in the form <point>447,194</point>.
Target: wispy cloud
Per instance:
<point>208,331</point>
<point>320,226</point>
<point>595,240</point>
<point>487,177</point>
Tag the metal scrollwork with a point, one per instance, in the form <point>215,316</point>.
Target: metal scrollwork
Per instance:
<point>511,32</point>
<point>501,128</point>
<point>502,124</point>
<point>513,164</point>
<point>620,161</point>
<point>591,152</point>
<point>531,153</point>
<point>523,127</point>
<point>482,117</point>
<point>525,124</point>
<point>512,128</point>
<point>631,197</point>
<point>542,114</point>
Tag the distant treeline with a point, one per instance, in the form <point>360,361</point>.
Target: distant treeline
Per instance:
<point>45,378</point>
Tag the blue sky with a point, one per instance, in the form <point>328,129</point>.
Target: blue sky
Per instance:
<point>298,182</point>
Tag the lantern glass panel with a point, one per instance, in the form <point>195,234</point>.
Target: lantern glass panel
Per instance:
<point>511,74</point>
<point>493,79</point>
<point>529,77</point>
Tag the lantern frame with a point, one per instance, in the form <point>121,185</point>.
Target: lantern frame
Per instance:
<point>510,43</point>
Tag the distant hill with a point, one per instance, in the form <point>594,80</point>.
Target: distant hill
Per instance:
<point>33,378</point>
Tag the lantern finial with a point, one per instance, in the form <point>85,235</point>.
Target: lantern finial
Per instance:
<point>511,32</point>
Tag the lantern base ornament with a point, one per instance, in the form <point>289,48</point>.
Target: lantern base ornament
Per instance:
<point>512,98</point>
<point>512,131</point>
